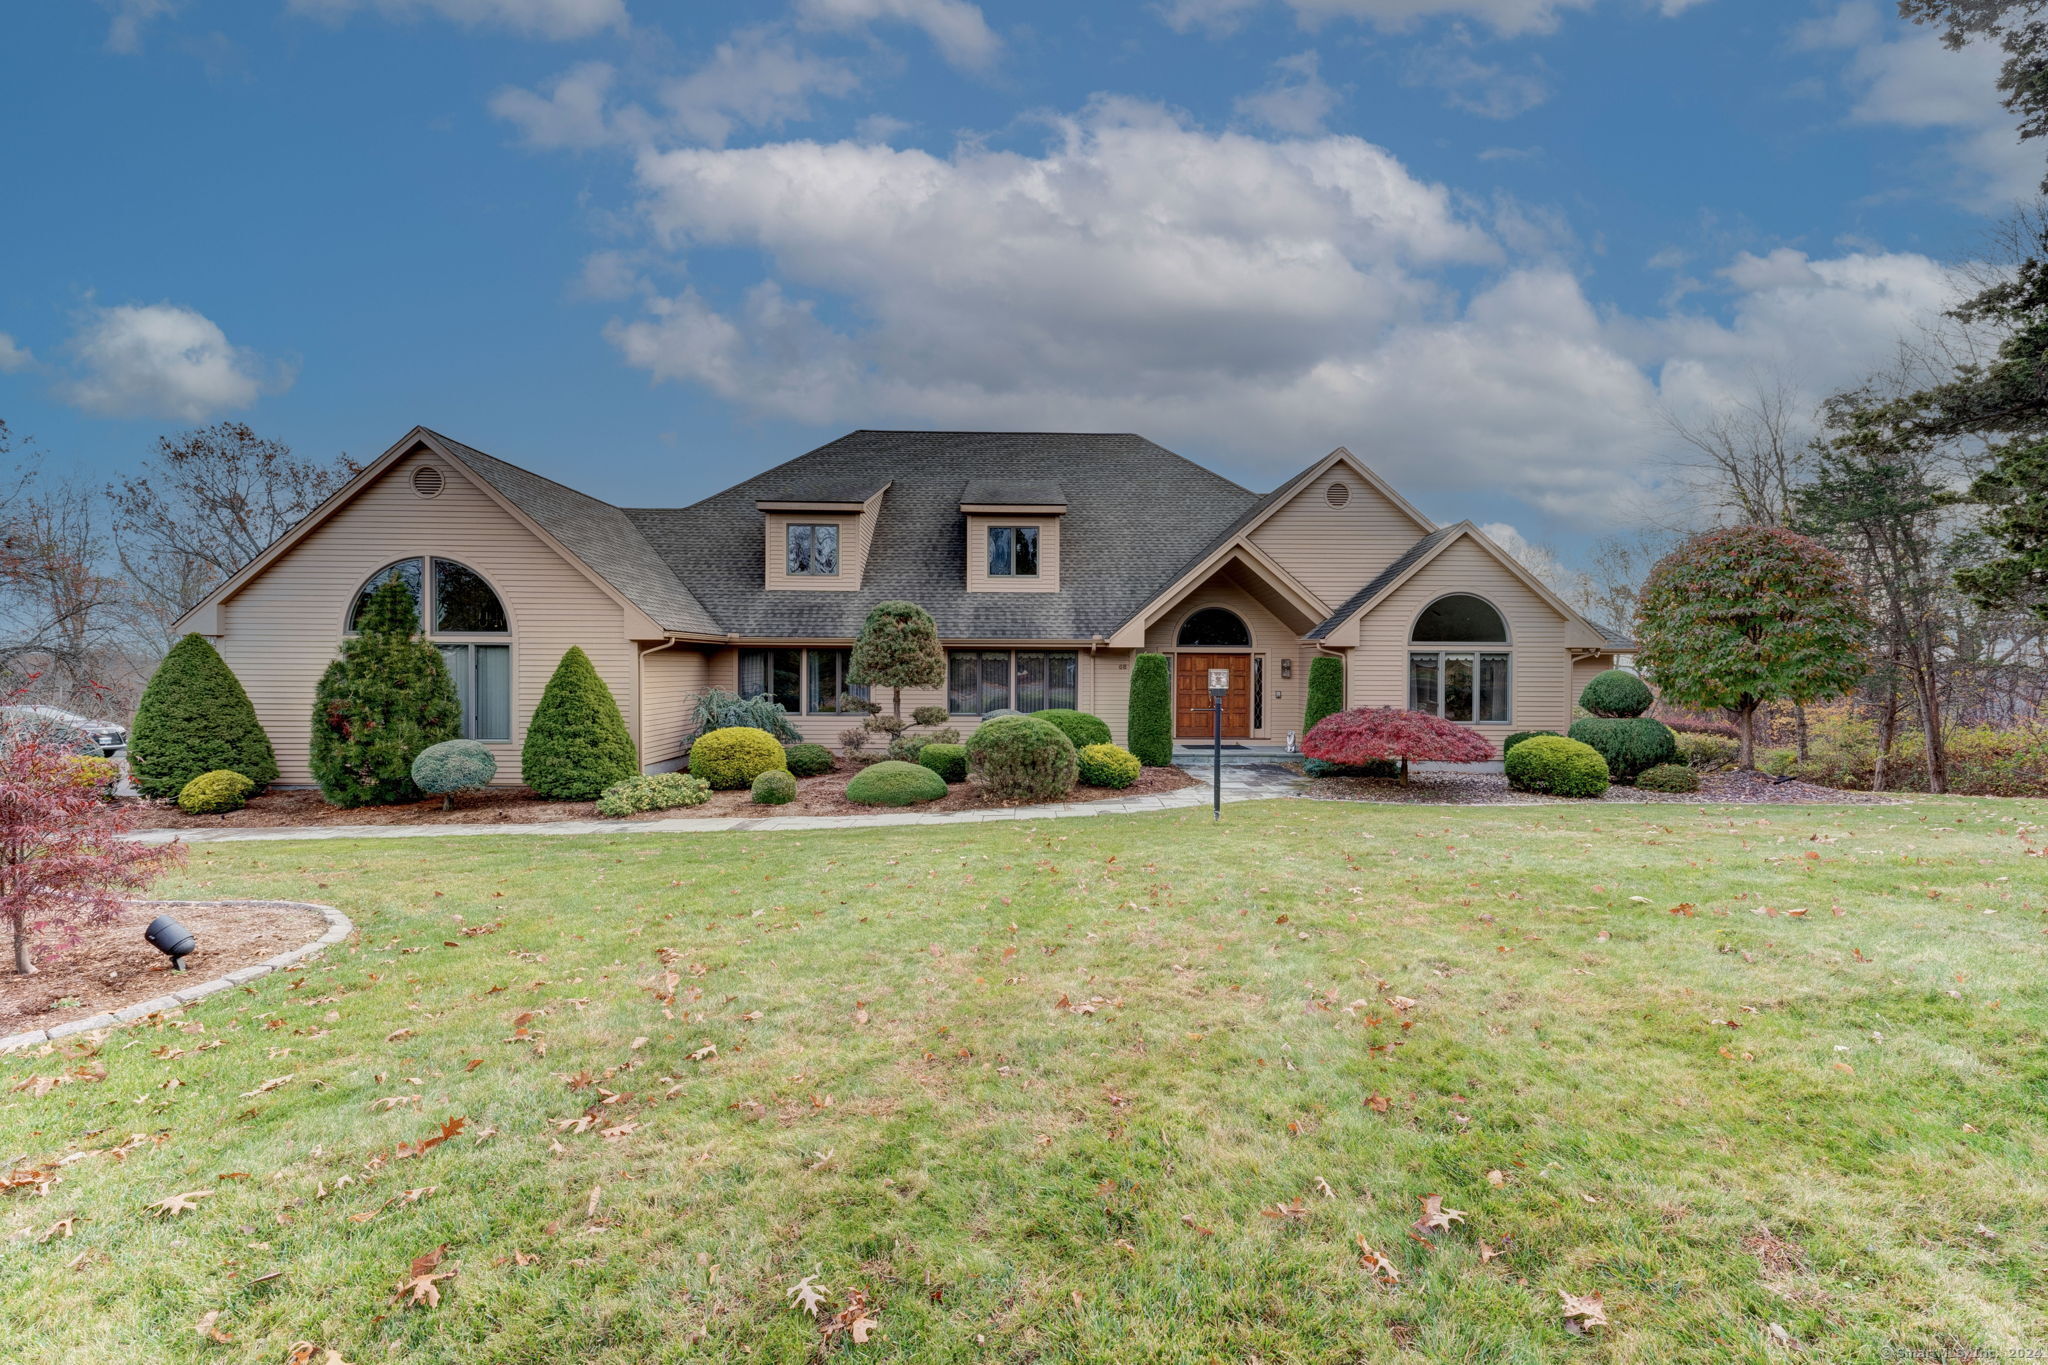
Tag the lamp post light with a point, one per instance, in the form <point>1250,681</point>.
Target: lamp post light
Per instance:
<point>1219,687</point>
<point>172,939</point>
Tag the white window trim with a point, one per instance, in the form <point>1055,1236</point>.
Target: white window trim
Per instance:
<point>1473,652</point>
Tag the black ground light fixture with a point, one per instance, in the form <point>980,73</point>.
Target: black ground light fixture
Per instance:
<point>172,939</point>
<point>1219,687</point>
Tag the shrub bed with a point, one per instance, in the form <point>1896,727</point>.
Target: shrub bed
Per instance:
<point>660,791</point>
<point>732,758</point>
<point>895,783</point>
<point>1106,765</point>
<point>1669,777</point>
<point>1557,765</point>
<point>1022,758</point>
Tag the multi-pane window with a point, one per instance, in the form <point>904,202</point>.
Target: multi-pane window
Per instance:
<point>1013,552</point>
<point>483,682</point>
<point>982,680</point>
<point>1459,686</point>
<point>811,549</point>
<point>826,686</point>
<point>801,680</point>
<point>454,599</point>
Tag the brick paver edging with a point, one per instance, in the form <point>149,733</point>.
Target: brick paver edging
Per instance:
<point>339,926</point>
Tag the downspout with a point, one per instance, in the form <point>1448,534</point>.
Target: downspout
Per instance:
<point>640,685</point>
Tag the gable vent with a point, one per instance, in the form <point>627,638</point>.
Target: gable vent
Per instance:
<point>427,481</point>
<point>1337,494</point>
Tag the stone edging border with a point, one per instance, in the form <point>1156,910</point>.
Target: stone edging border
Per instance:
<point>339,927</point>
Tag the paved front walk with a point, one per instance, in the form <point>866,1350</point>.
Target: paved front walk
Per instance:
<point>1239,784</point>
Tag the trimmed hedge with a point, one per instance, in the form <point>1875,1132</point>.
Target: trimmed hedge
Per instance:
<point>1518,736</point>
<point>1106,765</point>
<point>1669,777</point>
<point>1559,766</point>
<point>195,718</point>
<point>1078,726</point>
<point>1022,758</point>
<point>949,761</point>
<point>453,765</point>
<point>1617,694</point>
<point>775,787</point>
<point>659,791</point>
<point>1325,691</point>
<point>215,793</point>
<point>808,760</point>
<point>732,758</point>
<point>577,743</point>
<point>1151,719</point>
<point>894,783</point>
<point>1630,745</point>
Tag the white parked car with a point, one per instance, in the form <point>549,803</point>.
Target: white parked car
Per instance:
<point>108,736</point>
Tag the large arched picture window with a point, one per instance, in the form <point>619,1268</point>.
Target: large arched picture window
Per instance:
<point>455,600</point>
<point>1460,619</point>
<point>1214,628</point>
<point>1458,684</point>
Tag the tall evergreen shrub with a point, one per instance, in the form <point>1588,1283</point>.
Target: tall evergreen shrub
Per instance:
<point>898,647</point>
<point>1151,720</point>
<point>386,698</point>
<point>1325,690</point>
<point>577,743</point>
<point>195,718</point>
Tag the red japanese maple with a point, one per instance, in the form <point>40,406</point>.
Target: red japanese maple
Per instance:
<point>1380,733</point>
<point>61,864</point>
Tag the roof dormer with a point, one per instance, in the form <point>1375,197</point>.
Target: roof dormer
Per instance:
<point>815,537</point>
<point>1013,535</point>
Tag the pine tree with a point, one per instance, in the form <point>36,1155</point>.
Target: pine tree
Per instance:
<point>898,648</point>
<point>386,698</point>
<point>577,743</point>
<point>195,718</point>
<point>1151,720</point>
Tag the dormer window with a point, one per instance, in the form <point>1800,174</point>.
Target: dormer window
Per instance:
<point>811,549</point>
<point>1013,552</point>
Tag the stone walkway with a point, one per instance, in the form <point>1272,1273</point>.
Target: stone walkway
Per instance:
<point>1239,784</point>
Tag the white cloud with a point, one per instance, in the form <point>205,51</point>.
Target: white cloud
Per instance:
<point>1487,89</point>
<point>571,114</point>
<point>1508,18</point>
<point>130,17</point>
<point>539,18</point>
<point>160,360</point>
<point>1296,100</point>
<point>13,356</point>
<point>957,28</point>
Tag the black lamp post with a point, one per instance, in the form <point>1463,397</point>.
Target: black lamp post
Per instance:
<point>172,939</point>
<point>1219,686</point>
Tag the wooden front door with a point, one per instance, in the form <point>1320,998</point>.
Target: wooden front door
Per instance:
<point>1193,717</point>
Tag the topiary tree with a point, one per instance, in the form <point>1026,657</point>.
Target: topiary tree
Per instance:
<point>195,718</point>
<point>898,648</point>
<point>1747,615</point>
<point>1022,758</point>
<point>1630,744</point>
<point>577,743</point>
<point>1078,726</point>
<point>1382,733</point>
<point>386,698</point>
<point>453,765</point>
<point>1325,690</point>
<point>1151,718</point>
<point>1616,693</point>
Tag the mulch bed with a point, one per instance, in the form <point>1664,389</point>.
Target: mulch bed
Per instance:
<point>111,966</point>
<point>823,795</point>
<point>1716,789</point>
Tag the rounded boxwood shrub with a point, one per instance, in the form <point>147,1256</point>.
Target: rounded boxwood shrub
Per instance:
<point>453,765</point>
<point>895,783</point>
<point>577,743</point>
<point>1078,726</point>
<point>1379,767</point>
<point>1669,777</point>
<point>1630,746</point>
<point>195,718</point>
<point>1151,721</point>
<point>658,791</point>
<point>774,787</point>
<point>732,758</point>
<point>1106,765</point>
<point>1616,693</point>
<point>1518,736</point>
<point>808,760</point>
<point>215,793</point>
<point>949,761</point>
<point>1022,758</point>
<point>1559,766</point>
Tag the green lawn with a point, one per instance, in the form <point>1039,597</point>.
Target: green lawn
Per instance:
<point>1278,1037</point>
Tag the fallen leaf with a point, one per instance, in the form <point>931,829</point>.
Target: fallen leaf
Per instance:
<point>806,1294</point>
<point>1435,1215</point>
<point>1583,1312</point>
<point>422,1281</point>
<point>173,1204</point>
<point>205,1328</point>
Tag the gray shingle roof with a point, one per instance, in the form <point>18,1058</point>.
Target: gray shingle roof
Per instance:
<point>600,535</point>
<point>1012,493</point>
<point>805,489</point>
<point>1408,559</point>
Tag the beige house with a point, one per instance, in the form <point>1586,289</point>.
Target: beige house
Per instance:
<point>1049,562</point>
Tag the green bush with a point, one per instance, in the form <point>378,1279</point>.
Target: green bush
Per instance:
<point>1778,762</point>
<point>659,791</point>
<point>215,793</point>
<point>1669,777</point>
<point>732,758</point>
<point>1325,691</point>
<point>892,783</point>
<point>385,698</point>
<point>1559,766</point>
<point>1078,726</point>
<point>930,715</point>
<point>1022,758</point>
<point>719,709</point>
<point>1630,746</point>
<point>1518,736</point>
<point>774,787</point>
<point>906,748</point>
<point>949,761</point>
<point>453,765</point>
<point>1617,693</point>
<point>195,718</point>
<point>1151,718</point>
<point>1379,767</point>
<point>577,743</point>
<point>1706,753</point>
<point>808,760</point>
<point>1105,765</point>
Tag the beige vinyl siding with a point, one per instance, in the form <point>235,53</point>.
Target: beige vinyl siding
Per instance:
<point>282,628</point>
<point>671,681</point>
<point>1333,550</point>
<point>1106,690</point>
<point>1539,680</point>
<point>1286,698</point>
<point>1048,577</point>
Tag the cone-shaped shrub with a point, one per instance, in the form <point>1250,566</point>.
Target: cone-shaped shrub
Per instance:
<point>1151,718</point>
<point>577,743</point>
<point>1325,690</point>
<point>195,718</point>
<point>385,699</point>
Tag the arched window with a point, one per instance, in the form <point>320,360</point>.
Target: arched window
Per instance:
<point>1460,619</point>
<point>461,604</point>
<point>1214,628</point>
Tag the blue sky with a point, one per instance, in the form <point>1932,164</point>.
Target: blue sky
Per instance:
<point>647,248</point>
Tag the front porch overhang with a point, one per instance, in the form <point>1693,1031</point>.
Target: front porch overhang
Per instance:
<point>1243,565</point>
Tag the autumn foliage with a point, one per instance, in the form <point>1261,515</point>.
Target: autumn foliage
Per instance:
<point>1382,733</point>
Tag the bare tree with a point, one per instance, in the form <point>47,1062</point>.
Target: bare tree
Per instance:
<point>1747,458</point>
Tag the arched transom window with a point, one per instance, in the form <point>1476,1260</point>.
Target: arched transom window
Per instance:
<point>1460,684</point>
<point>1214,628</point>
<point>457,602</point>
